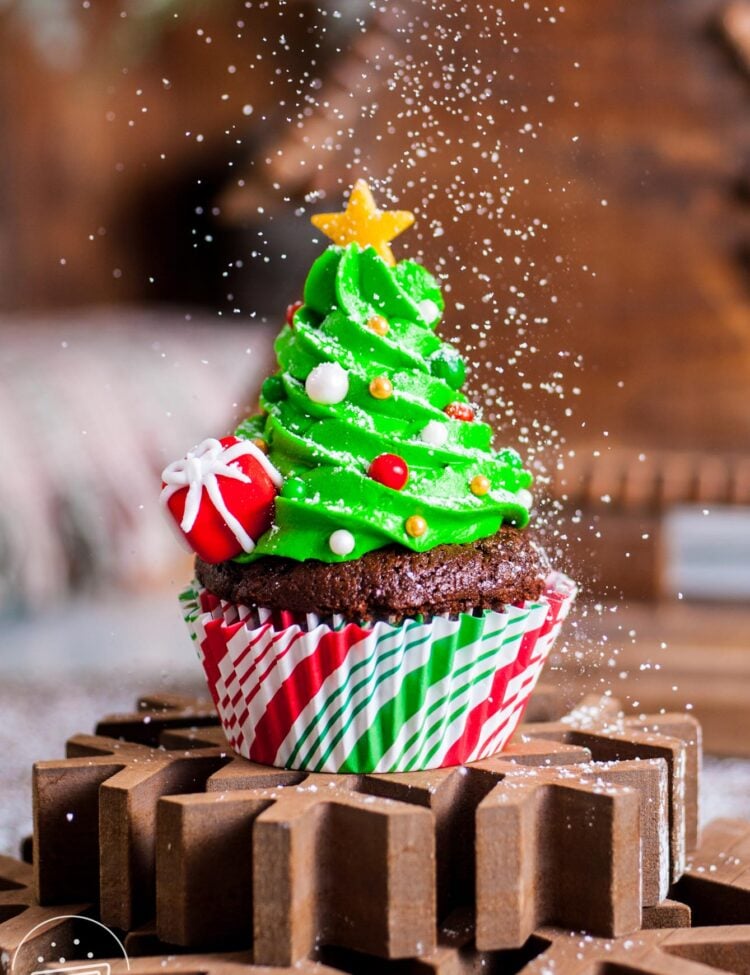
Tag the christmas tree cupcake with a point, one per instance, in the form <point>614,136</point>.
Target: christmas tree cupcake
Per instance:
<point>368,595</point>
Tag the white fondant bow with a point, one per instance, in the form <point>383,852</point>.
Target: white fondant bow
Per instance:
<point>199,470</point>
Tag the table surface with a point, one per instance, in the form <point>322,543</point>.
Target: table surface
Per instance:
<point>62,671</point>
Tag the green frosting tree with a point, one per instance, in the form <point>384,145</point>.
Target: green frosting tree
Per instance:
<point>367,422</point>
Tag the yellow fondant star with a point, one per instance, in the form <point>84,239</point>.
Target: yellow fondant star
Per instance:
<point>362,223</point>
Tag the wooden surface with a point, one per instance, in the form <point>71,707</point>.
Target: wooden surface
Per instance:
<point>681,656</point>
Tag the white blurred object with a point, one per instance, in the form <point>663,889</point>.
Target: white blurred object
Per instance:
<point>707,552</point>
<point>92,408</point>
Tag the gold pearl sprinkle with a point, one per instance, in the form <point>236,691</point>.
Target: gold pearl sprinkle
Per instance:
<point>479,485</point>
<point>261,444</point>
<point>378,325</point>
<point>416,526</point>
<point>381,387</point>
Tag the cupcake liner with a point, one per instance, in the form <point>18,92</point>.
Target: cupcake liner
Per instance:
<point>337,696</point>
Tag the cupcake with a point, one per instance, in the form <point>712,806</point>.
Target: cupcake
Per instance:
<point>368,595</point>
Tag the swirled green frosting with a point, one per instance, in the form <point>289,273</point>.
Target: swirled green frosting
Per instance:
<point>324,451</point>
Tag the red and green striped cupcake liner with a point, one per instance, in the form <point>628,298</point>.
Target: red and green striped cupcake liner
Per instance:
<point>338,696</point>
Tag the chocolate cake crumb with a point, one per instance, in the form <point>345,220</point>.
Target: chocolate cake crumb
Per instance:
<point>391,582</point>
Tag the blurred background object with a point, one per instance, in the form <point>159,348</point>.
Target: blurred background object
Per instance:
<point>92,407</point>
<point>581,180</point>
<point>121,123</point>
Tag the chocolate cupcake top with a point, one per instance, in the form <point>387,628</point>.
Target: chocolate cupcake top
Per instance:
<point>366,440</point>
<point>390,583</point>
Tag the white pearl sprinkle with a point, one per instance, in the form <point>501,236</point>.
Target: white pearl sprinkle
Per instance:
<point>525,498</point>
<point>435,433</point>
<point>328,383</point>
<point>341,542</point>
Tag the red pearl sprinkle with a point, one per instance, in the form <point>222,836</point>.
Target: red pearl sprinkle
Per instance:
<point>290,311</point>
<point>390,470</point>
<point>460,411</point>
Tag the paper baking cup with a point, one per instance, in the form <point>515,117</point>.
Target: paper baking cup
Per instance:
<point>337,696</point>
